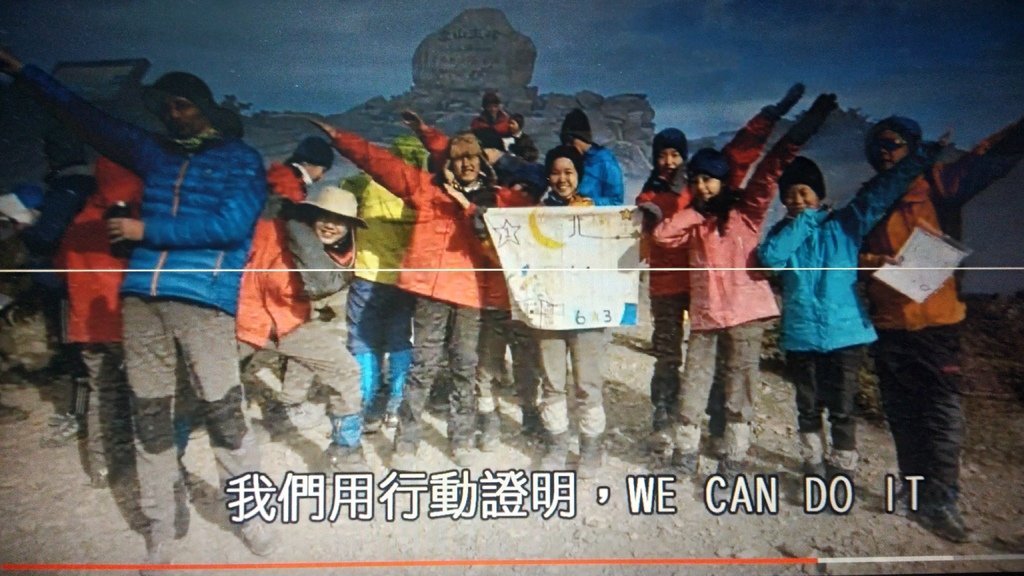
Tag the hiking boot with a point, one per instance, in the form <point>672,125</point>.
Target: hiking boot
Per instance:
<point>490,431</point>
<point>716,447</point>
<point>404,457</point>
<point>259,538</point>
<point>555,452</point>
<point>945,522</point>
<point>532,428</point>
<point>684,463</point>
<point>391,420</point>
<point>591,455</point>
<point>305,415</point>
<point>729,470</point>
<point>659,443</point>
<point>157,554</point>
<point>464,455</point>
<point>11,414</point>
<point>66,430</point>
<point>346,458</point>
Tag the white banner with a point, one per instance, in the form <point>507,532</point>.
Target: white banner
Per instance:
<point>569,268</point>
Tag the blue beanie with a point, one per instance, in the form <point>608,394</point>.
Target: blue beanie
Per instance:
<point>708,161</point>
<point>668,138</point>
<point>905,127</point>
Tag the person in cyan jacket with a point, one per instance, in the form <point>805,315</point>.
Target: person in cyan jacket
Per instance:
<point>721,231</point>
<point>204,189</point>
<point>602,181</point>
<point>918,348</point>
<point>825,326</point>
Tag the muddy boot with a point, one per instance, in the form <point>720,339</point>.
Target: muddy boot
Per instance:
<point>555,452</point>
<point>687,448</point>
<point>940,515</point>
<point>532,429</point>
<point>659,443</point>
<point>489,424</point>
<point>345,454</point>
<point>591,455</point>
<point>812,454</point>
<point>842,462</point>
<point>259,538</point>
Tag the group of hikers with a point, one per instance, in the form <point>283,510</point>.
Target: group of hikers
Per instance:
<point>385,285</point>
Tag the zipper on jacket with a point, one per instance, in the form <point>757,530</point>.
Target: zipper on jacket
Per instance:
<point>174,213</point>
<point>216,267</point>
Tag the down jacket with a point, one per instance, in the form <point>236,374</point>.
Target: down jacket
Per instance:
<point>741,152</point>
<point>930,201</point>
<point>602,177</point>
<point>94,308</point>
<point>729,295</point>
<point>821,311</point>
<point>199,208</point>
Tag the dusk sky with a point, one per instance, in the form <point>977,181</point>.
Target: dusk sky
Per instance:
<point>705,66</point>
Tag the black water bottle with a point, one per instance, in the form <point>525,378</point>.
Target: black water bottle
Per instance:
<point>120,248</point>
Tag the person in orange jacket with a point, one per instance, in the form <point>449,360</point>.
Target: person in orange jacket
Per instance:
<point>918,347</point>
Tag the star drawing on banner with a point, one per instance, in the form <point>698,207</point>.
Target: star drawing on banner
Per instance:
<point>507,233</point>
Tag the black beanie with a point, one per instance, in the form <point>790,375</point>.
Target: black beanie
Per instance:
<point>576,125</point>
<point>708,161</point>
<point>490,98</point>
<point>314,151</point>
<point>519,119</point>
<point>802,171</point>
<point>564,151</point>
<point>668,138</point>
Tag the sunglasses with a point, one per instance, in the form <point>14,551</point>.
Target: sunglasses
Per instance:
<point>890,144</point>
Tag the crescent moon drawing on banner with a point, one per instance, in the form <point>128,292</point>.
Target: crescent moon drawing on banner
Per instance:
<point>545,241</point>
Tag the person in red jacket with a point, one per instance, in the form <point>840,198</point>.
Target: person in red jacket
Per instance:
<point>492,116</point>
<point>446,267</point>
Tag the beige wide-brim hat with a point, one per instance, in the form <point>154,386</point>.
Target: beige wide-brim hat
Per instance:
<point>337,201</point>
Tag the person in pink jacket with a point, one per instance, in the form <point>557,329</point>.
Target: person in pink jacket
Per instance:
<point>720,231</point>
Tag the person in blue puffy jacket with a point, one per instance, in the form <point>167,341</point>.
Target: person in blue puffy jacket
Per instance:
<point>203,191</point>
<point>825,326</point>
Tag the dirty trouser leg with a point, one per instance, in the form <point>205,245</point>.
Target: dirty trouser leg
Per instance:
<point>463,360</point>
<point>742,376</point>
<point>150,361</point>
<point>206,338</point>
<point>716,397</point>
<point>431,325</point>
<point>919,376</point>
<point>586,349</point>
<point>525,364</point>
<point>491,351</point>
<point>839,391</point>
<point>109,420</point>
<point>693,393</point>
<point>802,370</point>
<point>667,343</point>
<point>554,407</point>
<point>318,347</point>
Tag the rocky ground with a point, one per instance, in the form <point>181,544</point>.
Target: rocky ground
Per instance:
<point>51,515</point>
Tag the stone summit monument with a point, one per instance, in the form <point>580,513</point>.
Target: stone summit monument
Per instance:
<point>480,51</point>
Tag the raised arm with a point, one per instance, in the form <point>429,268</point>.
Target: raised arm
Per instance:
<point>746,146</point>
<point>407,182</point>
<point>992,159</point>
<point>763,187</point>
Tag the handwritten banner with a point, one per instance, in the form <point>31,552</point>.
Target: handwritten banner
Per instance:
<point>569,268</point>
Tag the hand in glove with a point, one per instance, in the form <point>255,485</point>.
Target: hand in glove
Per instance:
<point>651,212</point>
<point>809,123</point>
<point>780,108</point>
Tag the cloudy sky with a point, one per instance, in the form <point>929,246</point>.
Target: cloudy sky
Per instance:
<point>705,66</point>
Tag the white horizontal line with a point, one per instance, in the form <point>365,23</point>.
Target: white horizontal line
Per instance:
<point>640,269</point>
<point>904,559</point>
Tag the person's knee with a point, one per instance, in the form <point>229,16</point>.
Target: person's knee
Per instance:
<point>153,423</point>
<point>225,421</point>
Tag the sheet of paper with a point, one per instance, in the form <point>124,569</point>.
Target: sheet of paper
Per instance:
<point>569,268</point>
<point>928,261</point>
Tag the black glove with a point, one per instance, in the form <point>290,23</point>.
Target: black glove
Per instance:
<point>651,211</point>
<point>780,108</point>
<point>815,116</point>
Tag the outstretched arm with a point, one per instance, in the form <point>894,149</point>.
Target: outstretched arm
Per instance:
<point>746,146</point>
<point>989,161</point>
